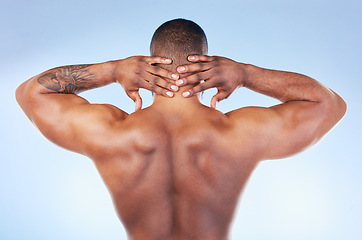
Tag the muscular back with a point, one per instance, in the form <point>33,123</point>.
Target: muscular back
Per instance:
<point>176,175</point>
<point>175,170</point>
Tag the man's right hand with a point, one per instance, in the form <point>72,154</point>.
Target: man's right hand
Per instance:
<point>138,72</point>
<point>217,72</point>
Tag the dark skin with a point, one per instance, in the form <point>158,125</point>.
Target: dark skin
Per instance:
<point>176,169</point>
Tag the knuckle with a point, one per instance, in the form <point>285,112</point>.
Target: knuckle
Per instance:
<point>218,71</point>
<point>165,85</point>
<point>219,81</point>
<point>164,73</point>
<point>215,64</point>
<point>163,92</point>
<point>199,66</point>
<point>160,91</point>
<point>155,80</point>
<point>138,71</point>
<point>190,79</point>
<point>201,87</point>
<point>156,69</point>
<point>136,81</point>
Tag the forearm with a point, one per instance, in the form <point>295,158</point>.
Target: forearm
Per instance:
<point>76,78</point>
<point>284,86</point>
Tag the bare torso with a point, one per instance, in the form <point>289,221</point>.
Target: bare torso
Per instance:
<point>175,170</point>
<point>176,175</point>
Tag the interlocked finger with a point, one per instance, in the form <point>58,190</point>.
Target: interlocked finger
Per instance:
<point>152,60</point>
<point>202,58</point>
<point>162,72</point>
<point>156,89</point>
<point>194,78</point>
<point>196,67</point>
<point>200,88</point>
<point>156,80</point>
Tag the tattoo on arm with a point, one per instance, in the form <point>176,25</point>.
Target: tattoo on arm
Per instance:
<point>69,79</point>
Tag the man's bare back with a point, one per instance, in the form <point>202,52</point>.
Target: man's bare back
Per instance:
<point>175,170</point>
<point>178,176</point>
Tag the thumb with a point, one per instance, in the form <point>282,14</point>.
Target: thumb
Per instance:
<point>138,103</point>
<point>220,95</point>
<point>135,96</point>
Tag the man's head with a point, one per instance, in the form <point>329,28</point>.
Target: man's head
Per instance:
<point>177,39</point>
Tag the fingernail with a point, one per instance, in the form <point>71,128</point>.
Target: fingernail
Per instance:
<point>181,69</point>
<point>170,94</point>
<point>174,87</point>
<point>185,94</point>
<point>179,82</point>
<point>167,60</point>
<point>192,58</point>
<point>174,76</point>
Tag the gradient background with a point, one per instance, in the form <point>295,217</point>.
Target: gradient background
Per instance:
<point>49,193</point>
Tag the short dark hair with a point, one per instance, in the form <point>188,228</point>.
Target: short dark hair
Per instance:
<point>177,39</point>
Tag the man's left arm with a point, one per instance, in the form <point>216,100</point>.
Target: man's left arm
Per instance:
<point>50,101</point>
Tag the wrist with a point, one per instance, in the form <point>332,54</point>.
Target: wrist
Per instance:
<point>246,71</point>
<point>111,68</point>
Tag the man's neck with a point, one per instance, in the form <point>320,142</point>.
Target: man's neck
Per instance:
<point>177,101</point>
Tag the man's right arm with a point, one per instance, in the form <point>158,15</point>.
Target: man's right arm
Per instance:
<point>308,110</point>
<point>51,102</point>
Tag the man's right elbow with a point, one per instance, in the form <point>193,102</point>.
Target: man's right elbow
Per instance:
<point>19,93</point>
<point>22,93</point>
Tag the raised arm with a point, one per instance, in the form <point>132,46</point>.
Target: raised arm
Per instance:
<point>308,110</point>
<point>50,101</point>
